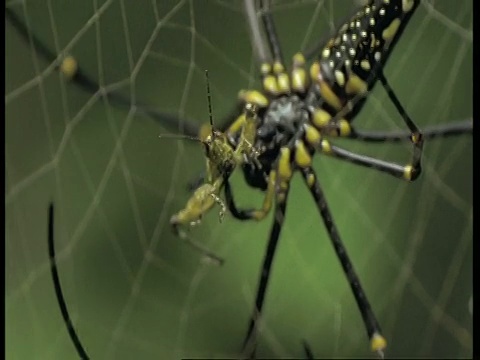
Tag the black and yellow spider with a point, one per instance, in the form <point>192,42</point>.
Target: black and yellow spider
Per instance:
<point>297,113</point>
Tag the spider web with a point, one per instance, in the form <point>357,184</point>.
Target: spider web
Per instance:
<point>133,289</point>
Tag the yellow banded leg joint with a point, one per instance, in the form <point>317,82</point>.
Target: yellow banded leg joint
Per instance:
<point>311,180</point>
<point>411,173</point>
<point>312,135</point>
<point>270,84</point>
<point>321,118</point>
<point>300,81</point>
<point>258,215</point>
<point>284,168</point>
<point>344,128</point>
<point>265,68</point>
<point>326,147</point>
<point>378,343</point>
<point>298,60</point>
<point>302,156</point>
<point>278,68</point>
<point>283,82</point>
<point>417,138</point>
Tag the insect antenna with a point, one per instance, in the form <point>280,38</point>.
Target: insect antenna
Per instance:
<point>209,100</point>
<point>210,116</point>
<point>179,136</point>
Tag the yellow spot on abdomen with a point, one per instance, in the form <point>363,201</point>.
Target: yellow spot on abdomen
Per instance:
<point>340,78</point>
<point>365,65</point>
<point>326,53</point>
<point>407,5</point>
<point>391,30</point>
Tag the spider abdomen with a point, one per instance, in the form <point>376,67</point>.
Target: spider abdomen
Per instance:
<point>348,66</point>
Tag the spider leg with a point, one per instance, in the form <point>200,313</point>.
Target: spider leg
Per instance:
<point>249,344</point>
<point>410,171</point>
<point>283,175</point>
<point>58,287</point>
<point>251,214</point>
<point>416,134</point>
<point>258,44</point>
<point>407,172</point>
<point>269,27</point>
<point>435,132</point>
<point>314,139</point>
<point>308,350</point>
<point>275,80</point>
<point>377,341</point>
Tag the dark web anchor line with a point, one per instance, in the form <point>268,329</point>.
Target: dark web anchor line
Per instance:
<point>58,288</point>
<point>190,128</point>
<point>84,82</point>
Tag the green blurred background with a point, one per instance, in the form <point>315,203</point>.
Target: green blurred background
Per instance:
<point>133,289</point>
